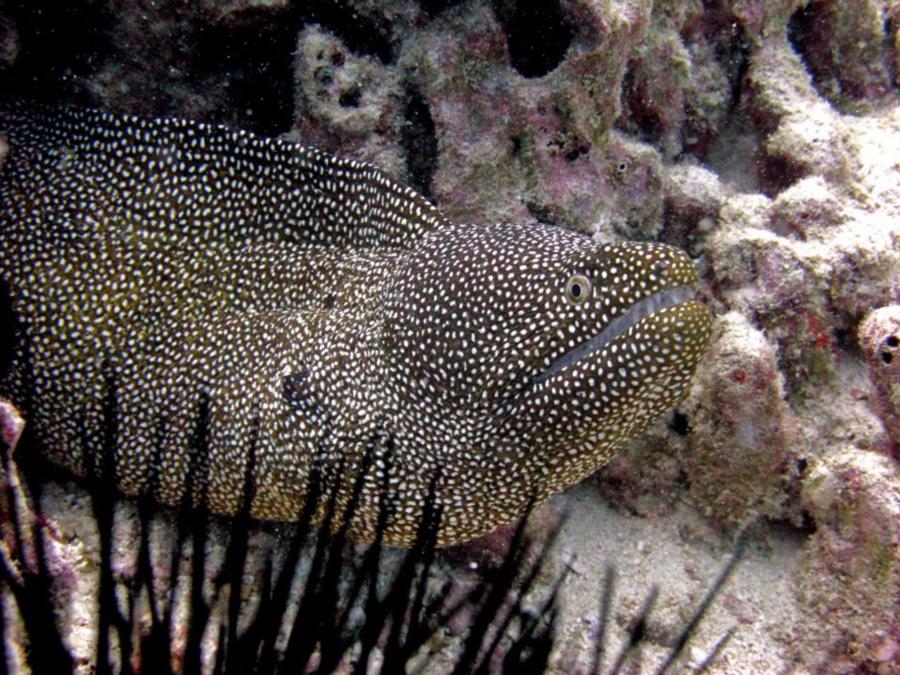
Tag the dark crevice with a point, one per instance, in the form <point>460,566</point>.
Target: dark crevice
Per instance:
<point>807,523</point>
<point>543,213</point>
<point>575,153</point>
<point>434,7</point>
<point>537,34</point>
<point>724,33</point>
<point>805,33</point>
<point>248,53</point>
<point>845,339</point>
<point>777,174</point>
<point>419,140</point>
<point>10,329</point>
<point>844,67</point>
<point>721,29</point>
<point>645,117</point>
<point>679,424</point>
<point>518,143</point>
<point>350,98</point>
<point>893,61</point>
<point>255,49</point>
<point>737,62</point>
<point>59,44</point>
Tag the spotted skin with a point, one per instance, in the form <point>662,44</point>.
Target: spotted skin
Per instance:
<point>313,310</point>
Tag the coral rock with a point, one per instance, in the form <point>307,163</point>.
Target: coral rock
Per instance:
<point>843,46</point>
<point>853,561</point>
<point>348,104</point>
<point>879,337</point>
<point>693,197</point>
<point>742,427</point>
<point>809,203</point>
<point>9,43</point>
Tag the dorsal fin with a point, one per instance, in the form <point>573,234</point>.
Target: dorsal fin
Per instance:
<point>182,178</point>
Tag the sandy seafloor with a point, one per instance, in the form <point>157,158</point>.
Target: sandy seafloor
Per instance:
<point>762,136</point>
<point>680,555</point>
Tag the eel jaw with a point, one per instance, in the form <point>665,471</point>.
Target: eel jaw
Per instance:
<point>664,299</point>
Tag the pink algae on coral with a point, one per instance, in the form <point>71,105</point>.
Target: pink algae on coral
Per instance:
<point>11,424</point>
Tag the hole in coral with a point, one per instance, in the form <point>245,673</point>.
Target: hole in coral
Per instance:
<point>517,145</point>
<point>575,153</point>
<point>736,59</point>
<point>679,424</point>
<point>324,76</point>
<point>845,339</point>
<point>887,357</point>
<point>537,34</point>
<point>419,139</point>
<point>350,99</point>
<point>807,523</point>
<point>892,341</point>
<point>777,174</point>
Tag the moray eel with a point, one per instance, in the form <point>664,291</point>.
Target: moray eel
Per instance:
<point>312,313</point>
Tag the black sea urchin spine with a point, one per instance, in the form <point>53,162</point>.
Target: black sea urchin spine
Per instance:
<point>351,603</point>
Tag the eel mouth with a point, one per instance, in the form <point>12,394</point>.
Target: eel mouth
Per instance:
<point>668,297</point>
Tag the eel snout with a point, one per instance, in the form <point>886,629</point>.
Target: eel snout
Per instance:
<point>640,310</point>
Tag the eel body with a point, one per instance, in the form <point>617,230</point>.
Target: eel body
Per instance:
<point>168,280</point>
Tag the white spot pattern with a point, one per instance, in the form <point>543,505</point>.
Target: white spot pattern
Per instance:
<point>315,305</point>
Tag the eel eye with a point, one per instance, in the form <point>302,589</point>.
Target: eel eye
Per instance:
<point>578,289</point>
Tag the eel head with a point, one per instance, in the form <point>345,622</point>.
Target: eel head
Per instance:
<point>532,336</point>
